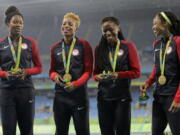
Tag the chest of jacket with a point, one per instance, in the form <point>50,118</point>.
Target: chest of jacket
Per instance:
<point>76,61</point>
<point>122,63</point>
<point>6,57</point>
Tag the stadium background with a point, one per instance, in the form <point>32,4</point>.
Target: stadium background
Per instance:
<point>42,22</point>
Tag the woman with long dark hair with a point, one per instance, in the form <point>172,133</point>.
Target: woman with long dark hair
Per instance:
<point>166,74</point>
<point>17,54</point>
<point>116,63</point>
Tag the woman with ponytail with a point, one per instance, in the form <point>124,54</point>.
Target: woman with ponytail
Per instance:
<point>166,74</point>
<point>19,59</point>
<point>116,63</point>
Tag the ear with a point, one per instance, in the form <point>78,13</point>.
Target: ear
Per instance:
<point>77,29</point>
<point>7,24</point>
<point>167,26</point>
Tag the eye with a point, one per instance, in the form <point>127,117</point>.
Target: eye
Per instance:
<point>64,23</point>
<point>70,24</point>
<point>108,29</point>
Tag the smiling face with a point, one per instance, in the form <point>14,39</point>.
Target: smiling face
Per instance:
<point>110,31</point>
<point>16,25</point>
<point>69,27</point>
<point>159,28</point>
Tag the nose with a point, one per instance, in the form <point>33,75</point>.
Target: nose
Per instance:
<point>108,33</point>
<point>18,25</point>
<point>153,27</point>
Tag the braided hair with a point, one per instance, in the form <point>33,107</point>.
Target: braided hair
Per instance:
<point>172,21</point>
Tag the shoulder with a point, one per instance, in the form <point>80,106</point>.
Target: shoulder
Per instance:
<point>177,39</point>
<point>155,42</point>
<point>55,44</point>
<point>82,40</point>
<point>85,43</point>
<point>128,44</point>
<point>29,39</point>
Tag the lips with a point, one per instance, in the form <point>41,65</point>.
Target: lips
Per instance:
<point>65,31</point>
<point>17,29</point>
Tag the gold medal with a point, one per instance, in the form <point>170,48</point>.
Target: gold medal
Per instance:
<point>15,69</point>
<point>67,77</point>
<point>162,80</point>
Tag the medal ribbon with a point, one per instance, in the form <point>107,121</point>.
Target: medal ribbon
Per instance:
<point>113,61</point>
<point>67,63</point>
<point>16,58</point>
<point>162,58</point>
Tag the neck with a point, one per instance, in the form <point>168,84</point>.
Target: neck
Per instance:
<point>113,43</point>
<point>14,38</point>
<point>68,40</point>
<point>166,36</point>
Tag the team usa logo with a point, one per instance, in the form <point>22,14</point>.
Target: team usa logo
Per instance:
<point>169,50</point>
<point>121,52</point>
<point>24,46</point>
<point>75,52</point>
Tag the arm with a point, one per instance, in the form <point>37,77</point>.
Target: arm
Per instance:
<point>52,72</point>
<point>177,96</point>
<point>96,65</point>
<point>151,78</point>
<point>88,65</point>
<point>36,61</point>
<point>135,67</point>
<point>3,74</point>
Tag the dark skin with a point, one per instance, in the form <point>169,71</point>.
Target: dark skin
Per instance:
<point>15,27</point>
<point>110,32</point>
<point>68,29</point>
<point>161,29</point>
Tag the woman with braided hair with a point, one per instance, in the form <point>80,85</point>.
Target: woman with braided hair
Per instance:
<point>116,63</point>
<point>166,74</point>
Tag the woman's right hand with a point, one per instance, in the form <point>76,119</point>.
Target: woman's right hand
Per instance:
<point>143,88</point>
<point>99,77</point>
<point>7,75</point>
<point>58,78</point>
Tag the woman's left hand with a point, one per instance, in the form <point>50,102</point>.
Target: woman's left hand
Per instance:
<point>174,107</point>
<point>22,74</point>
<point>69,86</point>
<point>114,75</point>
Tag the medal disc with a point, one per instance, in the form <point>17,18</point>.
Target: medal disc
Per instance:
<point>162,80</point>
<point>67,77</point>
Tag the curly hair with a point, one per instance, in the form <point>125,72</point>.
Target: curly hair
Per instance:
<point>74,17</point>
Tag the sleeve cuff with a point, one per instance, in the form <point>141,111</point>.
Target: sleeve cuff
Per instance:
<point>4,74</point>
<point>177,99</point>
<point>52,76</point>
<point>74,83</point>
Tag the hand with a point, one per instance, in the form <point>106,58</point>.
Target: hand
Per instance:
<point>22,74</point>
<point>99,77</point>
<point>174,107</point>
<point>143,89</point>
<point>7,75</point>
<point>114,75</point>
<point>11,74</point>
<point>58,79</point>
<point>69,86</point>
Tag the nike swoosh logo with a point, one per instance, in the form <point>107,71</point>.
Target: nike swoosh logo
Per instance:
<point>80,108</point>
<point>156,50</point>
<point>6,47</point>
<point>59,53</point>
